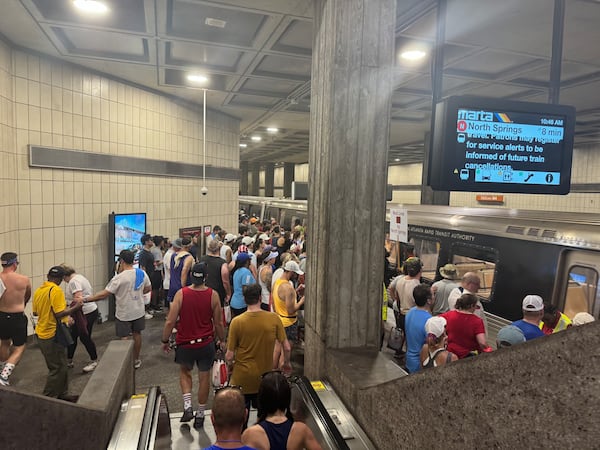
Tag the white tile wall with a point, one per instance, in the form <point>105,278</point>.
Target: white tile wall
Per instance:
<point>55,216</point>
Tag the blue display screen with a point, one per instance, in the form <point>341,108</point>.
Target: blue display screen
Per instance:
<point>129,228</point>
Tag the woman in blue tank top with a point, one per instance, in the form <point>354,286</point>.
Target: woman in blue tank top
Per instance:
<point>275,428</point>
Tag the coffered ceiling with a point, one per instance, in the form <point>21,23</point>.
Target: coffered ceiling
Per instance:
<point>257,57</point>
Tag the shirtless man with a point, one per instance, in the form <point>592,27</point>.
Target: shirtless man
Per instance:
<point>13,323</point>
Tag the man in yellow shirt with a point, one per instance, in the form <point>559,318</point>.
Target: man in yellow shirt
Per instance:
<point>49,304</point>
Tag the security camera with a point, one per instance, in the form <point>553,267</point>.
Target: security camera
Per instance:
<point>204,190</point>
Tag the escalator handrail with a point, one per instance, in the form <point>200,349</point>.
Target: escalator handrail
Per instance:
<point>319,411</point>
<point>147,427</point>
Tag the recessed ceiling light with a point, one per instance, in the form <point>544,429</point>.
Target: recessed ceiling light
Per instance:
<point>242,145</point>
<point>91,6</point>
<point>397,159</point>
<point>413,55</point>
<point>272,130</point>
<point>197,78</point>
<point>215,22</point>
<point>256,138</point>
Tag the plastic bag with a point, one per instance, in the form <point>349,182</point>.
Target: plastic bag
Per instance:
<point>395,339</point>
<point>147,296</point>
<point>220,377</point>
<point>227,314</point>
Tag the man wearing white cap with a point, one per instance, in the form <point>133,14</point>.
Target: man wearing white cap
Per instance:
<point>285,301</point>
<point>533,311</point>
<point>225,250</point>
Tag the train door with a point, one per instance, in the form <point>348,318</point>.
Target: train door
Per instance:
<point>477,259</point>
<point>576,286</point>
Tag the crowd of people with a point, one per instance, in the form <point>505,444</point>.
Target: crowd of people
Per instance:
<point>257,274</point>
<point>445,322</point>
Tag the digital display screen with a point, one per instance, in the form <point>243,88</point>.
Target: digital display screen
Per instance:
<point>493,145</point>
<point>129,229</point>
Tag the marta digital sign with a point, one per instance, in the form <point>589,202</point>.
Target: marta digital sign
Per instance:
<point>493,145</point>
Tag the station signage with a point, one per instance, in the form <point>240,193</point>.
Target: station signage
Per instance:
<point>495,145</point>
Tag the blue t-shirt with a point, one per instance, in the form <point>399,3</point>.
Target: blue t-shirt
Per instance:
<point>241,277</point>
<point>415,337</point>
<point>529,330</point>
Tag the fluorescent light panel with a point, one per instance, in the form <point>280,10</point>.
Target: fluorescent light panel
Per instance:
<point>91,6</point>
<point>197,78</point>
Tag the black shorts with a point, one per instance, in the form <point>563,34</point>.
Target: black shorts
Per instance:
<point>291,332</point>
<point>156,280</point>
<point>125,328</point>
<point>203,357</point>
<point>13,326</point>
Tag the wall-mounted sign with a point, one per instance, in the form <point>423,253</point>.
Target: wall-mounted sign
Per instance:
<point>399,224</point>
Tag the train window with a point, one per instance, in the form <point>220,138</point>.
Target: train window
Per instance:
<point>582,291</point>
<point>480,260</point>
<point>428,250</point>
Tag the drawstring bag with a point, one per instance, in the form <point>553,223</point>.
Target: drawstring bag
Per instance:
<point>220,377</point>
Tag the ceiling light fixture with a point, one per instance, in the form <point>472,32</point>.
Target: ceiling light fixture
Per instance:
<point>91,6</point>
<point>242,145</point>
<point>272,130</point>
<point>197,78</point>
<point>218,23</point>
<point>397,159</point>
<point>256,138</point>
<point>413,55</point>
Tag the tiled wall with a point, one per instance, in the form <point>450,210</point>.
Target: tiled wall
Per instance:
<point>58,215</point>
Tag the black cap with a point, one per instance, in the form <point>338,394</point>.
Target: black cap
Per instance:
<point>56,272</point>
<point>198,273</point>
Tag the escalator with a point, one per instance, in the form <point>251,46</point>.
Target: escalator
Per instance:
<point>144,421</point>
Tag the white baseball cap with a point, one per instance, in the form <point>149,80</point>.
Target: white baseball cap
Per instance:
<point>292,266</point>
<point>533,303</point>
<point>247,240</point>
<point>436,326</point>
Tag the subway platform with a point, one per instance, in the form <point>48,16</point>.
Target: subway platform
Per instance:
<point>158,369</point>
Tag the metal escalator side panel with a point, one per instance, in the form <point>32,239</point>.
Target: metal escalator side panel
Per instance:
<point>320,414</point>
<point>126,433</point>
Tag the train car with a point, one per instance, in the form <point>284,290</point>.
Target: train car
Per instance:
<point>515,252</point>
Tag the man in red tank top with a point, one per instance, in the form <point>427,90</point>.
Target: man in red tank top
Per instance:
<point>199,310</point>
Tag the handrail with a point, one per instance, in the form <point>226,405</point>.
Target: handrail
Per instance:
<point>319,412</point>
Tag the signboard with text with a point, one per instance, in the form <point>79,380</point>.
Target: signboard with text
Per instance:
<point>399,224</point>
<point>495,145</point>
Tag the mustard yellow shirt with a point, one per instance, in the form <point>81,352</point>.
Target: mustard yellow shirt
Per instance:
<point>48,294</point>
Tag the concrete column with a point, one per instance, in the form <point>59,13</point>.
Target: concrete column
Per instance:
<point>254,178</point>
<point>353,55</point>
<point>244,177</point>
<point>288,178</point>
<point>269,179</point>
